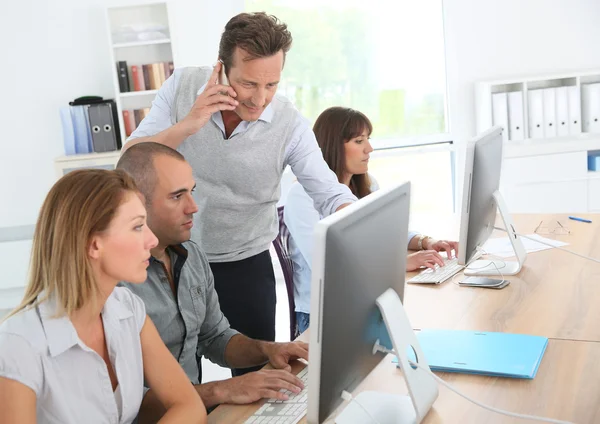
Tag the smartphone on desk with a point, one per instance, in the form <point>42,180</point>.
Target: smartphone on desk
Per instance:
<point>485,282</point>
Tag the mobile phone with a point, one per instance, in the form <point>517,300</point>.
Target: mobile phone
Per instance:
<point>223,75</point>
<point>490,283</point>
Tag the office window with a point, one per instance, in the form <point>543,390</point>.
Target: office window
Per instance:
<point>429,170</point>
<point>382,57</point>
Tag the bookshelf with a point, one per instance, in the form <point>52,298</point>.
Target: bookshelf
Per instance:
<point>139,35</point>
<point>549,134</point>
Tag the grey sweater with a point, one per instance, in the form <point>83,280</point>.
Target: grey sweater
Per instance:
<point>238,179</point>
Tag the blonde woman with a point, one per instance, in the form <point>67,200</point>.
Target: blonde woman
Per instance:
<point>77,349</point>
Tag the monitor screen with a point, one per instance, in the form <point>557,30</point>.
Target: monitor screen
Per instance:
<point>359,253</point>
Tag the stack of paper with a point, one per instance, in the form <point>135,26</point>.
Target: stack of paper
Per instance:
<point>502,247</point>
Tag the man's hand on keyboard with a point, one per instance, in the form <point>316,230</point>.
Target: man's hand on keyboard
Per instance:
<point>427,258</point>
<point>441,246</point>
<point>261,384</point>
<point>280,354</point>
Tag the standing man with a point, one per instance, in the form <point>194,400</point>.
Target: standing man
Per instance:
<point>238,139</point>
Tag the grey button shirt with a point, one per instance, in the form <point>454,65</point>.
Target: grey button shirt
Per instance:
<point>191,324</point>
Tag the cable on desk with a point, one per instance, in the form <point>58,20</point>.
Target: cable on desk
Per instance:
<point>481,405</point>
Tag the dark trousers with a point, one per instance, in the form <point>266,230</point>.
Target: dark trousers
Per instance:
<point>247,297</point>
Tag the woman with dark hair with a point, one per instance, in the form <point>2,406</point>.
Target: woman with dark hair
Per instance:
<point>343,135</point>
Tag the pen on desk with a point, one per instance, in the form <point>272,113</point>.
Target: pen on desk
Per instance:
<point>574,218</point>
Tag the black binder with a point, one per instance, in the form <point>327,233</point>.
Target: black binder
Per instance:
<point>123,74</point>
<point>104,123</point>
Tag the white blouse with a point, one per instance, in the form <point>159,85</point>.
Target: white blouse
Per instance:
<point>70,380</point>
<point>300,217</point>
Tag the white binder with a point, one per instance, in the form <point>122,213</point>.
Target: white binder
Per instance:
<point>516,117</point>
<point>562,111</point>
<point>574,110</point>
<point>500,113</point>
<point>591,107</point>
<point>549,95</point>
<point>536,114</point>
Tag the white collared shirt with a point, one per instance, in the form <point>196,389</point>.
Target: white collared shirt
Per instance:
<point>70,380</point>
<point>300,217</point>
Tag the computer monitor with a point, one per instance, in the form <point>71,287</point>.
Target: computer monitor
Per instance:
<point>360,255</point>
<point>481,200</point>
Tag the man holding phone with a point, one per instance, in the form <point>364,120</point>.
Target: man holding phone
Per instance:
<point>239,138</point>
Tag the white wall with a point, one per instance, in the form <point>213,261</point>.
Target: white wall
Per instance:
<point>491,39</point>
<point>51,54</point>
<point>198,25</point>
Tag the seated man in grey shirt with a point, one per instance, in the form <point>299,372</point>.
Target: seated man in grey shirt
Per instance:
<point>180,297</point>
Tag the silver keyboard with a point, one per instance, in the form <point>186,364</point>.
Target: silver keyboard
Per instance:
<point>439,274</point>
<point>284,411</point>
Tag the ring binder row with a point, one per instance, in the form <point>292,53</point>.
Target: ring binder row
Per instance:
<point>552,112</point>
<point>90,125</point>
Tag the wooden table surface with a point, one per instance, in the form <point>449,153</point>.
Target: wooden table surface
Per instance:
<point>556,295</point>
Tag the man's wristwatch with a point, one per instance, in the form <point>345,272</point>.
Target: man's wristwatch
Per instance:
<point>422,238</point>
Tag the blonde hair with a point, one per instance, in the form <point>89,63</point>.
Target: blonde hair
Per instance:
<point>79,205</point>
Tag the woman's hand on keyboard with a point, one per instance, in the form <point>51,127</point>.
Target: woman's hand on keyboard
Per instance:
<point>427,258</point>
<point>441,246</point>
<point>260,384</point>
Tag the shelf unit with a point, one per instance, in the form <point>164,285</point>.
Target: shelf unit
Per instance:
<point>137,52</point>
<point>141,43</point>
<point>65,164</point>
<point>545,174</point>
<point>139,94</point>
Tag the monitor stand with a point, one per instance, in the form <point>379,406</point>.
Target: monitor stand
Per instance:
<point>422,388</point>
<point>500,267</point>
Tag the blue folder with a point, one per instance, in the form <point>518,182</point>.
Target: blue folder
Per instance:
<point>474,352</point>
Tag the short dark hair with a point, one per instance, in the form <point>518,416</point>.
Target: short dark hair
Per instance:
<point>333,128</point>
<point>138,161</point>
<point>258,34</point>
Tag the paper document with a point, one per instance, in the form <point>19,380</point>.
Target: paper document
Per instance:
<point>502,247</point>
